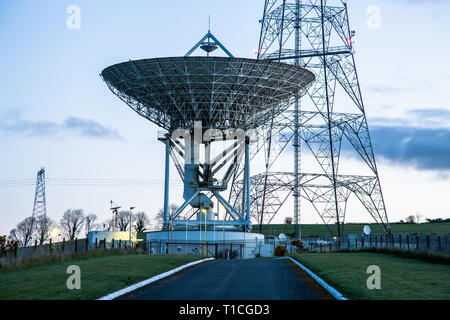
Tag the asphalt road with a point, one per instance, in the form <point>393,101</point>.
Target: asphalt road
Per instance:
<point>257,279</point>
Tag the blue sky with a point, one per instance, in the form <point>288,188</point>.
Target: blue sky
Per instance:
<point>56,112</point>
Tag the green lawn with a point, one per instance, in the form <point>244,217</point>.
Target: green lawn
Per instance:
<point>401,279</point>
<point>99,276</point>
<point>321,229</point>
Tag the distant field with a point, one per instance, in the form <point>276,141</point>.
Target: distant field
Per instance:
<point>99,276</point>
<point>321,229</point>
<point>401,279</point>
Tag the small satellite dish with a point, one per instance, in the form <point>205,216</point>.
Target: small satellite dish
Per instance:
<point>282,236</point>
<point>367,230</point>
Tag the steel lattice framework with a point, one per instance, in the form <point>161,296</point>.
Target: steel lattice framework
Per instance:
<point>315,35</point>
<point>40,206</point>
<point>220,92</point>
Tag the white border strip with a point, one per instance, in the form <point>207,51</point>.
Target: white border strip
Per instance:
<point>138,285</point>
<point>319,280</point>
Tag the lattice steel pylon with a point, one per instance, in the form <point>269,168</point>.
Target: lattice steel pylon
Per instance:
<point>40,206</point>
<point>315,35</point>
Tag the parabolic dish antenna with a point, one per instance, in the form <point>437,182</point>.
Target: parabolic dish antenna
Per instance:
<point>220,92</point>
<point>194,94</point>
<point>367,230</point>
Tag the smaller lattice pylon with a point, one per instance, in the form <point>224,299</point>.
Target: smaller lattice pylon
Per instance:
<point>40,206</point>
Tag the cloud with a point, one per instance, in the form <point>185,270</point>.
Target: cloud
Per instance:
<point>13,123</point>
<point>90,128</point>
<point>419,137</point>
<point>424,148</point>
<point>421,118</point>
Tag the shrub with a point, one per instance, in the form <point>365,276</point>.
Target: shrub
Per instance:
<point>298,244</point>
<point>280,251</point>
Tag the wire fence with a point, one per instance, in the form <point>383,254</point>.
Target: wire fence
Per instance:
<point>229,249</point>
<point>236,249</point>
<point>62,248</point>
<point>438,243</point>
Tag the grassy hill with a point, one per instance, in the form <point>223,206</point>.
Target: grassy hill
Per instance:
<point>321,229</point>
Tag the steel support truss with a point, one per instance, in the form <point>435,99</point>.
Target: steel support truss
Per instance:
<point>315,35</point>
<point>225,163</point>
<point>40,205</point>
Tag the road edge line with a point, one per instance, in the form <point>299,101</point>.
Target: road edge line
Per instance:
<point>143,283</point>
<point>336,294</point>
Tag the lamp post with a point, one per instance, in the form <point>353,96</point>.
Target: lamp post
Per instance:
<point>131,208</point>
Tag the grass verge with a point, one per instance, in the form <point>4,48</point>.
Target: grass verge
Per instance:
<point>14,264</point>
<point>401,279</point>
<point>427,256</point>
<point>99,276</point>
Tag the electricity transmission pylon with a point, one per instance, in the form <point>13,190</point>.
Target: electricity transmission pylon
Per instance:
<point>40,207</point>
<point>316,35</point>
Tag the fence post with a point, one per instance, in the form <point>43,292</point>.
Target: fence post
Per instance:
<point>104,243</point>
<point>35,244</point>
<point>50,246</point>
<point>439,243</point>
<point>112,243</point>
<point>407,241</point>
<point>348,243</point>
<point>87,244</point>
<point>362,242</point>
<point>120,243</point>
<point>356,243</point>
<point>63,244</point>
<point>330,246</point>
<point>96,243</point>
<point>15,249</point>
<point>76,244</point>
<point>321,247</point>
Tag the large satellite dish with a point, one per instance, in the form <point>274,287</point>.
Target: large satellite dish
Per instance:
<point>220,92</point>
<point>367,230</point>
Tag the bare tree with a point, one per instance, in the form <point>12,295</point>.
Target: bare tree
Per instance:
<point>159,219</point>
<point>410,219</point>
<point>123,220</point>
<point>107,225</point>
<point>141,221</point>
<point>23,232</point>
<point>418,217</point>
<point>42,227</point>
<point>72,223</point>
<point>90,223</point>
